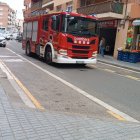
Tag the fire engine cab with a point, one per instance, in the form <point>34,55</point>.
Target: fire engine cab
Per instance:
<point>63,37</point>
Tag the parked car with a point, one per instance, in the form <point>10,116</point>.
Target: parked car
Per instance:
<point>15,36</point>
<point>19,38</point>
<point>8,36</point>
<point>2,41</point>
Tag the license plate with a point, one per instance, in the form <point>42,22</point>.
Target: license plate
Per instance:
<point>80,62</point>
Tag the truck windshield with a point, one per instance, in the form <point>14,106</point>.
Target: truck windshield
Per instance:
<point>79,26</point>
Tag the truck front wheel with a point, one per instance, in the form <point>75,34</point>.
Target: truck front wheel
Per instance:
<point>48,55</point>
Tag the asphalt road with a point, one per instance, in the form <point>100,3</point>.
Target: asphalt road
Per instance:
<point>117,87</point>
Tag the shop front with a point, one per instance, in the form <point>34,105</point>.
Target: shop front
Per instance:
<point>108,29</point>
<point>131,52</point>
<point>136,24</point>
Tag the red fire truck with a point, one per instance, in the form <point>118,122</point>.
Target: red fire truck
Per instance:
<point>63,37</point>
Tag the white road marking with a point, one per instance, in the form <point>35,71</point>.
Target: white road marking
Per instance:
<point>108,70</point>
<point>118,67</point>
<point>96,100</point>
<point>115,72</point>
<point>20,92</point>
<point>6,56</point>
<point>13,60</point>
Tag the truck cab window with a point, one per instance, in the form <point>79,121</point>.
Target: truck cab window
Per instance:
<point>56,23</point>
<point>45,24</point>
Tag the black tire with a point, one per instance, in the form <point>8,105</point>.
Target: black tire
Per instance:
<point>28,49</point>
<point>48,55</point>
<point>83,65</point>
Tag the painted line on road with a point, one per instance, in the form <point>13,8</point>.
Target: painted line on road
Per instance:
<point>28,93</point>
<point>122,75</point>
<point>23,92</point>
<point>108,70</point>
<point>119,67</point>
<point>116,116</point>
<point>82,92</point>
<point>6,56</point>
<point>13,60</point>
<point>132,77</point>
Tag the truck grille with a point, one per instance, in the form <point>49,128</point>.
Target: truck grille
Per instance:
<point>80,57</point>
<point>80,52</point>
<point>81,47</point>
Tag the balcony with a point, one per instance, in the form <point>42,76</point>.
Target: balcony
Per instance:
<point>26,2</point>
<point>27,13</point>
<point>36,5</point>
<point>48,4</point>
<point>104,9</point>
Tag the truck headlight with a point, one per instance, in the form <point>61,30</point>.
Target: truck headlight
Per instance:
<point>94,54</point>
<point>62,52</point>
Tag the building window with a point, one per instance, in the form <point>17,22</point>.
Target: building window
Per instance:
<point>69,8</point>
<point>59,8</point>
<point>86,2</point>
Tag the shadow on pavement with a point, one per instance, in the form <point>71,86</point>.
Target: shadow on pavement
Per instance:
<point>83,67</point>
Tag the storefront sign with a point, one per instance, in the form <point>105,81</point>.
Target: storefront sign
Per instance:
<point>108,24</point>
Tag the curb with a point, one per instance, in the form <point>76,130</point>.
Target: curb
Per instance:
<point>118,65</point>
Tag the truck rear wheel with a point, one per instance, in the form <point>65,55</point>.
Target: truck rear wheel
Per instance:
<point>48,56</point>
<point>28,49</point>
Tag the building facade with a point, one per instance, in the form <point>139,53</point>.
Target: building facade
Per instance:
<point>19,25</point>
<point>7,16</point>
<point>109,14</point>
<point>54,5</point>
<point>27,10</point>
<point>115,18</point>
<point>115,22</point>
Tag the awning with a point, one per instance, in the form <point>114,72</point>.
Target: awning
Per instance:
<point>136,22</point>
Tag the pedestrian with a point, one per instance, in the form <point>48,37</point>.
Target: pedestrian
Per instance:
<point>102,46</point>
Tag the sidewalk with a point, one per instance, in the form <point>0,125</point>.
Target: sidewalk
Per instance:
<point>110,60</point>
<point>22,123</point>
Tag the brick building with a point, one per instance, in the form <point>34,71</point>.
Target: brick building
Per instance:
<point>27,10</point>
<point>7,16</point>
<point>54,5</point>
<point>115,17</point>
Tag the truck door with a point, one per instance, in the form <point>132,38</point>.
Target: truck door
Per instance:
<point>44,34</point>
<point>45,31</point>
<point>55,30</point>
